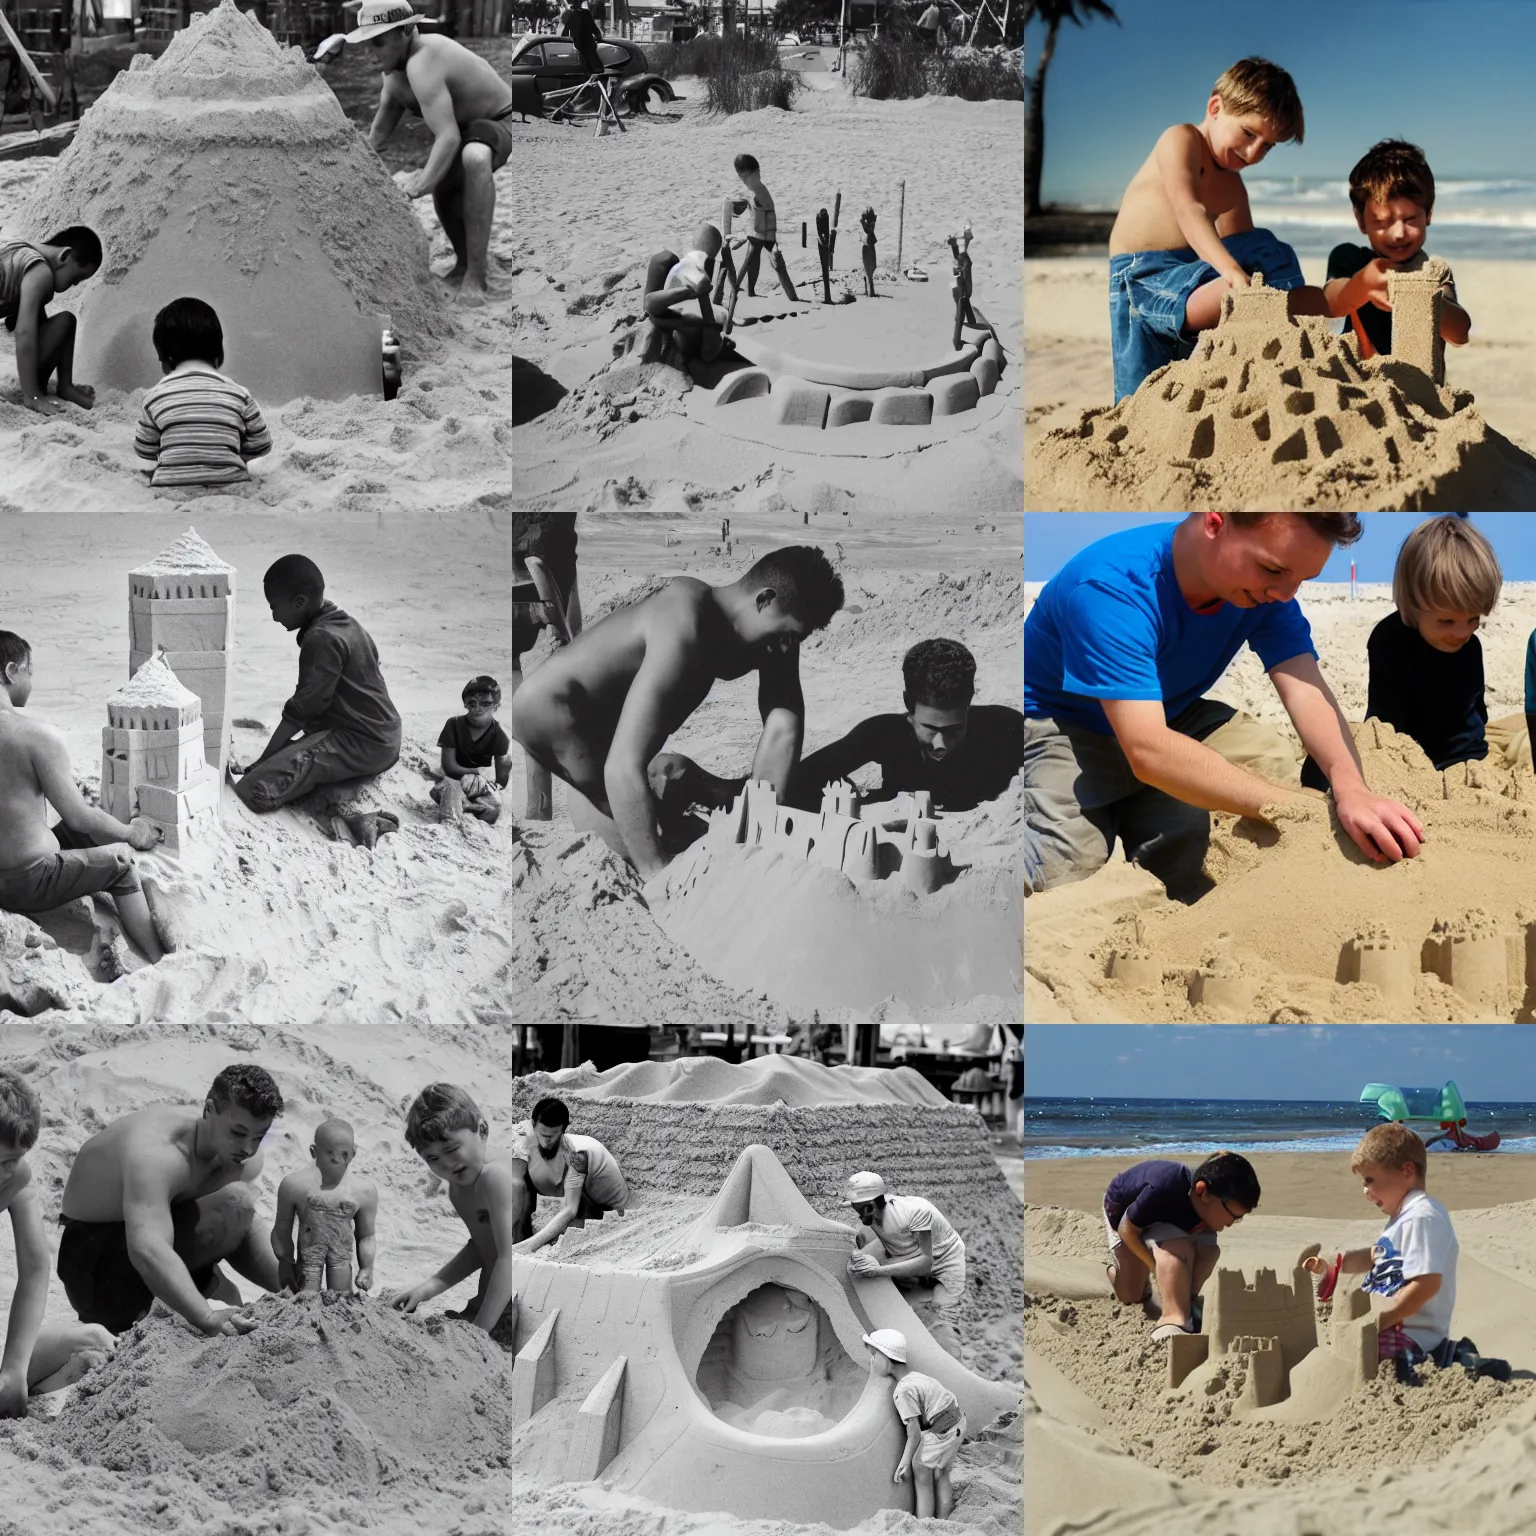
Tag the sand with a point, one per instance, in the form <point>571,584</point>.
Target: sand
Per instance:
<point>589,943</point>
<point>1451,452</point>
<point>1296,904</point>
<point>594,213</point>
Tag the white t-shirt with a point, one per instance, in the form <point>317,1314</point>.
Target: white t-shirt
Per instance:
<point>588,1163</point>
<point>921,1397</point>
<point>907,1215</point>
<point>1419,1240</point>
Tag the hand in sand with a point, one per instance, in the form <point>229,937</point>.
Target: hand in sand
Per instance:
<point>1373,278</point>
<point>143,834</point>
<point>1385,831</point>
<point>1238,279</point>
<point>228,1321</point>
<point>364,1281</point>
<point>862,1264</point>
<point>408,1301</point>
<point>415,186</point>
<point>13,1395</point>
<point>288,1276</point>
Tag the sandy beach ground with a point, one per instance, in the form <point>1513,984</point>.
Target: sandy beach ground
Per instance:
<point>1112,1451</point>
<point>1286,907</point>
<point>1067,357</point>
<point>586,944</point>
<point>590,213</point>
<point>443,445</point>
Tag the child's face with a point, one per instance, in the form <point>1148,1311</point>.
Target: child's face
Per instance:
<point>1237,140</point>
<point>1266,563</point>
<point>1447,630</point>
<point>12,1159</point>
<point>290,609</point>
<point>18,681</point>
<point>1387,1188</point>
<point>332,1155</point>
<point>749,178</point>
<point>1394,226</point>
<point>480,708</point>
<point>879,1364</point>
<point>459,1158</point>
<point>72,271</point>
<point>1216,1213</point>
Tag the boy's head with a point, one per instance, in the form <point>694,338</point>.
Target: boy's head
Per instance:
<point>550,1119</point>
<point>445,1128</point>
<point>294,589</point>
<point>1224,1190</point>
<point>747,168</point>
<point>865,1192</point>
<point>333,1149</point>
<point>79,258</point>
<point>794,593</point>
<point>482,698</point>
<point>1249,558</point>
<point>15,667</point>
<point>939,678</point>
<point>1391,1161</point>
<point>1393,192</point>
<point>391,48</point>
<point>887,1351</point>
<point>240,1107</point>
<point>1447,580</point>
<point>188,331</point>
<point>1253,106</point>
<point>21,1117</point>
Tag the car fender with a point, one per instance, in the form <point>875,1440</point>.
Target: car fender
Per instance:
<point>641,87</point>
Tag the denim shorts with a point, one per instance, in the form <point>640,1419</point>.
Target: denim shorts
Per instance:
<point>1148,292</point>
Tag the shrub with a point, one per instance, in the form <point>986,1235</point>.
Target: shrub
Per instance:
<point>708,56</point>
<point>891,68</point>
<point>981,74</point>
<point>894,67</point>
<point>726,92</point>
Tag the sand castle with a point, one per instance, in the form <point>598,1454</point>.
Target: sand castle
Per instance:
<point>153,761</point>
<point>247,188</point>
<point>1270,1328</point>
<point>183,603</point>
<point>1277,412</point>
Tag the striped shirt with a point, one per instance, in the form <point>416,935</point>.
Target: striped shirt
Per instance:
<point>200,428</point>
<point>17,257</point>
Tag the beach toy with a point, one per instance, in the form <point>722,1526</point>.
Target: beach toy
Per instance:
<point>1442,1107</point>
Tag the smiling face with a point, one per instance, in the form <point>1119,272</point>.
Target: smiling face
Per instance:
<point>232,1135</point>
<point>1265,563</point>
<point>1394,226</point>
<point>1237,139</point>
<point>457,1158</point>
<point>1387,1188</point>
<point>1447,630</point>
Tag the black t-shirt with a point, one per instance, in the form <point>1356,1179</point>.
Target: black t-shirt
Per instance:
<point>473,751</point>
<point>980,769</point>
<point>1344,261</point>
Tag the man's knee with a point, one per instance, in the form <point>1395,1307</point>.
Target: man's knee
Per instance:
<point>476,160</point>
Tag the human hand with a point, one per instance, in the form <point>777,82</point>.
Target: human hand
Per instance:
<point>862,1264</point>
<point>365,1278</point>
<point>228,1321</point>
<point>408,1301</point>
<point>1384,830</point>
<point>473,784</point>
<point>415,186</point>
<point>1315,1265</point>
<point>902,1468</point>
<point>288,1275</point>
<point>1373,280</point>
<point>1236,279</point>
<point>143,834</point>
<point>13,1395</point>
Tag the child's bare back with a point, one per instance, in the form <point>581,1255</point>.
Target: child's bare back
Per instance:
<point>1148,219</point>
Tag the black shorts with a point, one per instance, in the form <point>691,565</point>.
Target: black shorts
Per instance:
<point>100,1279</point>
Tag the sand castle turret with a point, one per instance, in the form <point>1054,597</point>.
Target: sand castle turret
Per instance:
<point>183,603</point>
<point>152,756</point>
<point>227,171</point>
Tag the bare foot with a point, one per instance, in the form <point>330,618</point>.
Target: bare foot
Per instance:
<point>165,925</point>
<point>78,394</point>
<point>454,275</point>
<point>473,295</point>
<point>370,826</point>
<point>44,405</point>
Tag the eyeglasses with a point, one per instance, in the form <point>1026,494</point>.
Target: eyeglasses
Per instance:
<point>1235,1215</point>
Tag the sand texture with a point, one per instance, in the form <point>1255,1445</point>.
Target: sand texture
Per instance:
<point>1301,927</point>
<point>788,1080</point>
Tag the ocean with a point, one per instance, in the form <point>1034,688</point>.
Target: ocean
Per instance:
<point>1187,1127</point>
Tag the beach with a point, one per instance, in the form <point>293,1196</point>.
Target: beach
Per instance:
<point>1288,909</point>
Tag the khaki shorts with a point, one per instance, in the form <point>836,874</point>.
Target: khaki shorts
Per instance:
<point>937,1452</point>
<point>59,878</point>
<point>1156,1233</point>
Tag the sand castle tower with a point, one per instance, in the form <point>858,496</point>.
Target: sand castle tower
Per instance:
<point>152,761</point>
<point>227,171</point>
<point>183,603</point>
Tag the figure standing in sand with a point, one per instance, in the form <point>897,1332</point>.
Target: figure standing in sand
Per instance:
<point>336,1212</point>
<point>930,1414</point>
<point>467,106</point>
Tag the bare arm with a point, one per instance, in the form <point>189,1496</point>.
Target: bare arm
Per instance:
<point>385,120</point>
<point>36,290</point>
<point>909,1450</point>
<point>363,1230</point>
<point>497,1291</point>
<point>282,1231</point>
<point>1416,1294</point>
<point>1130,1235</point>
<point>436,103</point>
<point>451,766</point>
<point>150,1234</point>
<point>918,1265</point>
<point>50,761</point>
<point>503,771</point>
<point>1180,156</point>
<point>838,760</point>
<point>781,705</point>
<point>30,1298</point>
<point>1455,323</point>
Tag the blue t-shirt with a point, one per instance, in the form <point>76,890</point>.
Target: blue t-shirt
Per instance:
<point>1153,1191</point>
<point>1113,624</point>
<point>1530,674</point>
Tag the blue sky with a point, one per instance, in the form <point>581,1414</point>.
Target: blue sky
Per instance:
<point>1454,76</point>
<point>1490,1063</point>
<point>1052,538</point>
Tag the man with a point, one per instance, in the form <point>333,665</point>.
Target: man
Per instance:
<point>158,1199</point>
<point>1118,740</point>
<point>962,754</point>
<point>579,24</point>
<point>467,106</point>
<point>598,711</point>
<point>931,25</point>
<point>580,1170</point>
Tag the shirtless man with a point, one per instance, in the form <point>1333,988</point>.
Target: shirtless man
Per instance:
<point>598,712</point>
<point>159,1198</point>
<point>42,868</point>
<point>466,104</point>
<point>579,1169</point>
<point>1184,237</point>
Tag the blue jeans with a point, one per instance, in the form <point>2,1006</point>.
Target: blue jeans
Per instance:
<point>1148,291</point>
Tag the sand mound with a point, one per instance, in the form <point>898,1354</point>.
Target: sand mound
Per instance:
<point>250,189</point>
<point>329,1395</point>
<point>1281,414</point>
<point>1301,928</point>
<point>763,1080</point>
<point>954,606</point>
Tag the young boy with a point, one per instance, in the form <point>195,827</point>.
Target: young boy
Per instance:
<point>472,743</point>
<point>333,1208</point>
<point>340,724</point>
<point>1426,662</point>
<point>579,1169</point>
<point>1163,1219</point>
<point>765,229</point>
<point>446,1130</point>
<point>43,867</point>
<point>196,426</point>
<point>934,1423</point>
<point>1184,236</point>
<point>1413,1262</point>
<point>30,274</point>
<point>1392,190</point>
<point>671,281</point>
<point>37,1358</point>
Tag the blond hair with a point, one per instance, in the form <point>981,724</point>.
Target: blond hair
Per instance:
<point>1390,1146</point>
<point>1259,87</point>
<point>1445,565</point>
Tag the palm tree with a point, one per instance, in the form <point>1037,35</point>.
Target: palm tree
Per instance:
<point>1052,13</point>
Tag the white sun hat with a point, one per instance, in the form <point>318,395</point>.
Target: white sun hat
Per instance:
<point>889,1341</point>
<point>376,16</point>
<point>862,1188</point>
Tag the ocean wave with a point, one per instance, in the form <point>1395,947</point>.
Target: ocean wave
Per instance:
<point>1146,1150</point>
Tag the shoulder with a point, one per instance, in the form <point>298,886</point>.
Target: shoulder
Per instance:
<point>1346,258</point>
<point>1182,141</point>
<point>293,1183</point>
<point>37,278</point>
<point>680,606</point>
<point>496,1176</point>
<point>19,1182</point>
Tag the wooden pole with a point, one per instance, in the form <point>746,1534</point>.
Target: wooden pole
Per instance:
<point>901,224</point>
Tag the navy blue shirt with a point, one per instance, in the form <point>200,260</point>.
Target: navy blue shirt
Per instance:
<point>1152,1191</point>
<point>1113,624</point>
<point>1434,696</point>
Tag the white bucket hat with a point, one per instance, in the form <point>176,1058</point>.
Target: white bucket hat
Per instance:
<point>376,16</point>
<point>889,1341</point>
<point>862,1188</point>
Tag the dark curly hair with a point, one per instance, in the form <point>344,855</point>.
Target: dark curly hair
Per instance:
<point>938,673</point>
<point>250,1087</point>
<point>804,580</point>
<point>21,1116</point>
